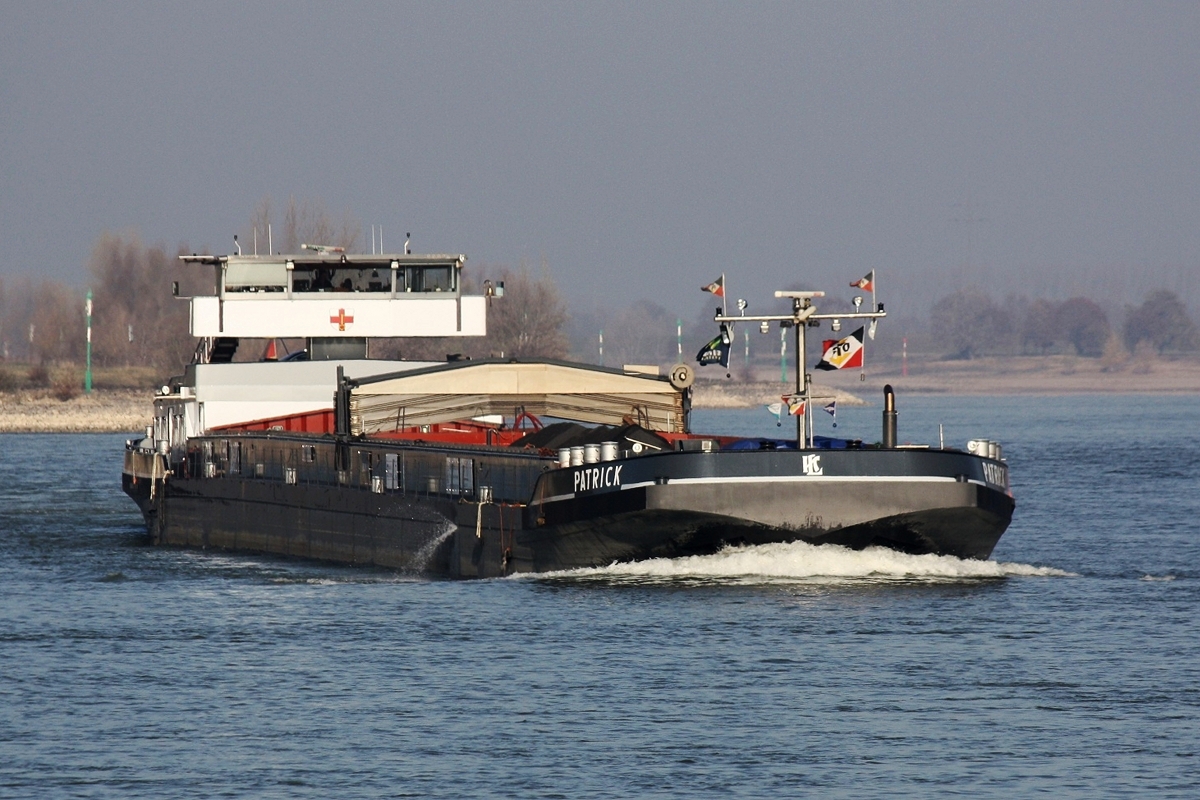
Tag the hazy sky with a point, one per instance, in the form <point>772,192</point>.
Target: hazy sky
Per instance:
<point>641,149</point>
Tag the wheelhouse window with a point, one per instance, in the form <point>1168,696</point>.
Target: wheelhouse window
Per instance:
<point>255,277</point>
<point>341,279</point>
<point>338,278</point>
<point>429,279</point>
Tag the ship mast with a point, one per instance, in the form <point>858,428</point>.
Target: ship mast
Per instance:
<point>804,314</point>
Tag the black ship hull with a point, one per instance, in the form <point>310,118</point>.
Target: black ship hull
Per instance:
<point>488,512</point>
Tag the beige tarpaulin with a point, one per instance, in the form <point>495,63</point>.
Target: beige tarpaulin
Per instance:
<point>474,389</point>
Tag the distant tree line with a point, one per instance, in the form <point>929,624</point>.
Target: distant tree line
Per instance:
<point>962,325</point>
<point>135,321</point>
<point>968,323</point>
<point>138,322</point>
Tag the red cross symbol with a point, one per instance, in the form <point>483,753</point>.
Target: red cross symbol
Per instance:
<point>341,319</point>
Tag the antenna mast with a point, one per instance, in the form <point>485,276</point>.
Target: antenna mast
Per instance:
<point>804,313</point>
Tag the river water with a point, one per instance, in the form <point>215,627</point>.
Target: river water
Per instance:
<point>1068,665</point>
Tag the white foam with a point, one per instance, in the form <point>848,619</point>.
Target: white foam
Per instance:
<point>1157,578</point>
<point>799,561</point>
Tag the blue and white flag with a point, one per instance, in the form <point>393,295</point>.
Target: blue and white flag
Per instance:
<point>831,409</point>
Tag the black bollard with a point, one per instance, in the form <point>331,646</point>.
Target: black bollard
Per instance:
<point>889,417</point>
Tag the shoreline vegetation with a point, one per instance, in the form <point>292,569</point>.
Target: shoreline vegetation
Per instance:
<point>967,343</point>
<point>120,404</point>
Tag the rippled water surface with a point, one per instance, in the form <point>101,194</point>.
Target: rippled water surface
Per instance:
<point>1067,665</point>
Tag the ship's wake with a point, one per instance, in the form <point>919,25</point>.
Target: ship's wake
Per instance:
<point>799,562</point>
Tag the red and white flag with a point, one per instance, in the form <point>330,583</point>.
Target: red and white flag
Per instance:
<point>795,404</point>
<point>843,353</point>
<point>717,287</point>
<point>866,283</point>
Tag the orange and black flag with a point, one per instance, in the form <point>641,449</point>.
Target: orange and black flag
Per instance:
<point>842,353</point>
<point>717,287</point>
<point>866,283</point>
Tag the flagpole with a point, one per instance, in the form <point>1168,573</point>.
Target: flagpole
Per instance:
<point>807,397</point>
<point>87,375</point>
<point>725,313</point>
<point>801,382</point>
<point>862,368</point>
<point>782,355</point>
<point>875,306</point>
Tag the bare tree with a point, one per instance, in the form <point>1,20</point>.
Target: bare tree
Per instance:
<point>1039,329</point>
<point>41,321</point>
<point>529,321</point>
<point>1085,325</point>
<point>967,324</point>
<point>136,320</point>
<point>1161,321</point>
<point>16,317</point>
<point>58,335</point>
<point>643,333</point>
<point>308,222</point>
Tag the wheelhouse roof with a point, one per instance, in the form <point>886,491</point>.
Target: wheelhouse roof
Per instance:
<point>323,259</point>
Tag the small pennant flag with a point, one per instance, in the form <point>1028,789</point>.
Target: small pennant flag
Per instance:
<point>717,287</point>
<point>866,283</point>
<point>843,353</point>
<point>831,409</point>
<point>716,351</point>
<point>871,329</point>
<point>776,410</point>
<point>795,404</point>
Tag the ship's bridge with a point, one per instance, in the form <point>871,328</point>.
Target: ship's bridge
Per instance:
<point>335,295</point>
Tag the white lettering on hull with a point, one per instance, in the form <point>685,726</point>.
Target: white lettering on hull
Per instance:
<point>995,474</point>
<point>597,477</point>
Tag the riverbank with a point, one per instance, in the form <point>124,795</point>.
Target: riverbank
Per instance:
<point>102,411</point>
<point>1036,375</point>
<point>130,410</point>
<point>1040,375</point>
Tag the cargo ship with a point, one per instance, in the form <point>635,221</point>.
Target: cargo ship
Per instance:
<point>485,468</point>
